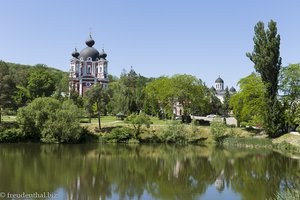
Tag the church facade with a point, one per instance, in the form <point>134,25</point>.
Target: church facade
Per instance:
<point>87,68</point>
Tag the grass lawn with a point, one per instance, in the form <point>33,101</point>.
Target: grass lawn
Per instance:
<point>157,121</point>
<point>8,118</point>
<point>112,120</point>
<point>105,120</point>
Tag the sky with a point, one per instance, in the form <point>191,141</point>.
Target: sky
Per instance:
<point>204,38</point>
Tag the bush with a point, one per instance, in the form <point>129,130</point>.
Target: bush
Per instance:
<point>174,133</point>
<point>122,134</point>
<point>51,121</point>
<point>138,121</point>
<point>11,135</point>
<point>87,136</point>
<point>218,129</point>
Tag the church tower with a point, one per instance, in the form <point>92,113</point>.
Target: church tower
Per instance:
<point>219,84</point>
<point>87,68</point>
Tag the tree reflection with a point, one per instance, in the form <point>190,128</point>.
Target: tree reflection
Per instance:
<point>95,171</point>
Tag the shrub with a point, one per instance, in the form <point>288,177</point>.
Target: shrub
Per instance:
<point>174,133</point>
<point>218,129</point>
<point>138,121</point>
<point>63,126</point>
<point>11,135</point>
<point>122,134</point>
<point>88,136</point>
<point>51,121</point>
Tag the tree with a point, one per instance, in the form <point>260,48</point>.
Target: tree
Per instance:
<point>189,92</point>
<point>267,62</point>
<point>97,95</point>
<point>49,120</point>
<point>248,104</point>
<point>290,86</point>
<point>138,121</point>
<point>7,88</point>
<point>127,93</point>
<point>22,96</point>
<point>215,105</point>
<point>41,82</point>
<point>119,98</point>
<point>185,89</point>
<point>225,105</point>
<point>160,92</point>
<point>297,117</point>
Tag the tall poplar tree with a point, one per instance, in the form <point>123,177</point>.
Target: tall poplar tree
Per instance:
<point>267,62</point>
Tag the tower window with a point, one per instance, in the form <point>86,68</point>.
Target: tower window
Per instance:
<point>89,69</point>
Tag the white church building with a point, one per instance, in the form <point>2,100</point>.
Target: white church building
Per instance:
<point>220,90</point>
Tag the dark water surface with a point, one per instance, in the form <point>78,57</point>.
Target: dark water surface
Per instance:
<point>97,171</point>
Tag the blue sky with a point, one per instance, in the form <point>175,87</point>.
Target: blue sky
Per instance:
<point>205,38</point>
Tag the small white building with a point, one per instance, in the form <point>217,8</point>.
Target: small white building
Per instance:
<point>219,89</point>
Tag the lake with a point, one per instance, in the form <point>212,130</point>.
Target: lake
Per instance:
<point>107,171</point>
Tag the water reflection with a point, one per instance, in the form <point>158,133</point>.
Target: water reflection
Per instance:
<point>95,171</point>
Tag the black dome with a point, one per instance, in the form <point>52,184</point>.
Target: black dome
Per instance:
<point>89,52</point>
<point>219,80</point>
<point>103,54</point>
<point>75,54</point>
<point>90,42</point>
<point>232,89</point>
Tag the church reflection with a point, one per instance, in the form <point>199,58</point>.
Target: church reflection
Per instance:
<point>145,171</point>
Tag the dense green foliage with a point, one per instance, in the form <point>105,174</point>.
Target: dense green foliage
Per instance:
<point>174,133</point>
<point>118,135</point>
<point>164,92</point>
<point>218,129</point>
<point>267,62</point>
<point>127,93</point>
<point>24,83</point>
<point>49,120</point>
<point>137,121</point>
<point>41,82</point>
<point>7,88</point>
<point>297,117</point>
<point>290,86</point>
<point>248,104</point>
<point>226,102</point>
<point>97,96</point>
<point>11,135</point>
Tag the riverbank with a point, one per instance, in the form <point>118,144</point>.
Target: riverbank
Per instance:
<point>173,132</point>
<point>167,131</point>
